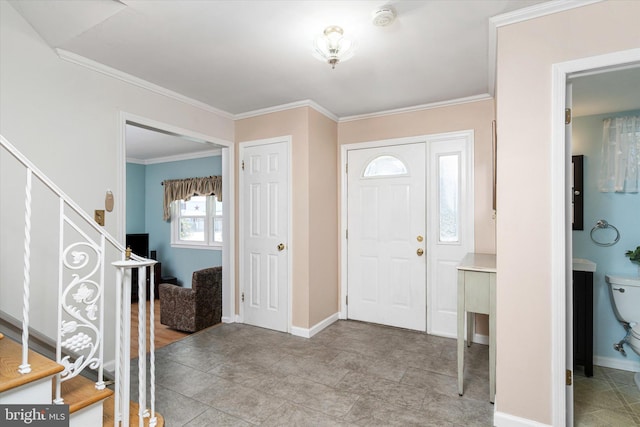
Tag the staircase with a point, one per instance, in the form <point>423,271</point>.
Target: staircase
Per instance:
<point>87,406</point>
<point>83,249</point>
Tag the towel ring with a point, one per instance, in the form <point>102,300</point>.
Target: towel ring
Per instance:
<point>604,224</point>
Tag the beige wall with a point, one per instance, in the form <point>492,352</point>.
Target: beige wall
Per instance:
<point>323,217</point>
<point>66,119</point>
<point>526,52</point>
<point>314,223</point>
<point>315,157</point>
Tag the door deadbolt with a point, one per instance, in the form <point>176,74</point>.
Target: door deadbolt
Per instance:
<point>419,238</point>
<point>280,247</point>
<point>420,251</point>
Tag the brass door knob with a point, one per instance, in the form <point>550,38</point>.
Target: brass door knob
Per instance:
<point>280,246</point>
<point>420,251</point>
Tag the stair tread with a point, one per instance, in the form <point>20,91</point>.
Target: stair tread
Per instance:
<point>80,392</point>
<point>107,418</point>
<point>11,359</point>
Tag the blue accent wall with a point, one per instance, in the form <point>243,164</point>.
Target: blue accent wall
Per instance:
<point>177,262</point>
<point>621,210</point>
<point>135,198</point>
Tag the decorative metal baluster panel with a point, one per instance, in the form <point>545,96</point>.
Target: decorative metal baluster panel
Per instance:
<point>80,301</point>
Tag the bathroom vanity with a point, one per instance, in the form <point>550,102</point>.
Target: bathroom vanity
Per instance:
<point>583,314</point>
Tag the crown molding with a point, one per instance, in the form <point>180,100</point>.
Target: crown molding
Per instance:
<point>136,81</point>
<point>520,15</point>
<point>128,78</point>
<point>176,158</point>
<point>290,106</point>
<point>440,104</point>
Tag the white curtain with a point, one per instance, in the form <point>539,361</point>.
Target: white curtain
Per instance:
<point>620,155</point>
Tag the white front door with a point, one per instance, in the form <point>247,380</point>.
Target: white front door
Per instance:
<point>386,229</point>
<point>450,233</point>
<point>264,229</point>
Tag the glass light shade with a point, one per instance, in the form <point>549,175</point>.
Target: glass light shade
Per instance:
<point>333,47</point>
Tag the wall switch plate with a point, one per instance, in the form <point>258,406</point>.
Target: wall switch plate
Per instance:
<point>98,215</point>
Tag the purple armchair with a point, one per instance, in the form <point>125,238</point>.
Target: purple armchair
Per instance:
<point>195,308</point>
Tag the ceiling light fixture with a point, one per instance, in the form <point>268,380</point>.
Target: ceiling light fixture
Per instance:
<point>333,47</point>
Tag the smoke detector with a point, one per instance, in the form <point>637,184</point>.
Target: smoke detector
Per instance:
<point>383,16</point>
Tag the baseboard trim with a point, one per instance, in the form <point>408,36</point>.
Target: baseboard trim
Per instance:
<point>611,362</point>
<point>481,339</point>
<point>227,319</point>
<point>500,419</point>
<point>308,333</point>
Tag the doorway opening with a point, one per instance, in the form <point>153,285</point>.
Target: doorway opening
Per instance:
<point>561,248</point>
<point>597,99</point>
<point>148,151</point>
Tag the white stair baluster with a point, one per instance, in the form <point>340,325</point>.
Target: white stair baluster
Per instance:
<point>152,354</point>
<point>142,343</point>
<point>25,367</point>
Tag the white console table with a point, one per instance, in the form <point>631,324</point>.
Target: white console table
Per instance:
<point>477,294</point>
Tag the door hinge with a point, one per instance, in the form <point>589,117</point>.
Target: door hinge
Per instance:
<point>242,297</point>
<point>569,379</point>
<point>243,165</point>
<point>346,168</point>
<point>346,233</point>
<point>567,116</point>
<point>346,301</point>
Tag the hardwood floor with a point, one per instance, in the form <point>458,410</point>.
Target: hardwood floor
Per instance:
<point>163,334</point>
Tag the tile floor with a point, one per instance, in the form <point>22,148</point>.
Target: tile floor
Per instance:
<point>351,373</point>
<point>609,398</point>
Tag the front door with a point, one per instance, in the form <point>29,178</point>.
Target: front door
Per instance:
<point>386,235</point>
<point>264,225</point>
<point>409,223</point>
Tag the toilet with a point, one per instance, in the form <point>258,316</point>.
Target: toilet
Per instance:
<point>625,298</point>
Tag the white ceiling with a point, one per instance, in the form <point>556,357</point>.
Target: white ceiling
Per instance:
<point>240,56</point>
<point>607,92</point>
<point>147,146</point>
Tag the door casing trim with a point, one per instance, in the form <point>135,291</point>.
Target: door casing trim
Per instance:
<point>228,252</point>
<point>560,200</point>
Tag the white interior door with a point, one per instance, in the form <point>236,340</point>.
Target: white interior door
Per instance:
<point>450,233</point>
<point>264,229</point>
<point>386,228</point>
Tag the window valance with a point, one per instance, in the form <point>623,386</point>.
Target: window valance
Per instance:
<point>184,189</point>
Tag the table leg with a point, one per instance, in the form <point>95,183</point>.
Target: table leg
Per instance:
<point>461,316</point>
<point>471,317</point>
